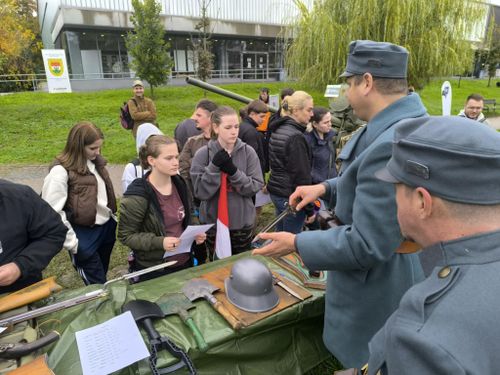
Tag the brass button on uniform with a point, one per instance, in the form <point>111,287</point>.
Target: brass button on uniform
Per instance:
<point>444,272</point>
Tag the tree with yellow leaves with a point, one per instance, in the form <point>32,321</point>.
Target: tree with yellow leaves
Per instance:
<point>20,42</point>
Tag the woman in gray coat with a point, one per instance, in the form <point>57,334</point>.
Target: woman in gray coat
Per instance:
<point>228,154</point>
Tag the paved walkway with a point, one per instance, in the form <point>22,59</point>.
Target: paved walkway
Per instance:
<point>33,175</point>
<point>495,122</point>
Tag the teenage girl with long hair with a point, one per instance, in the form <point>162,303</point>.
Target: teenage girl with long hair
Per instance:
<point>155,210</point>
<point>227,156</point>
<point>78,186</point>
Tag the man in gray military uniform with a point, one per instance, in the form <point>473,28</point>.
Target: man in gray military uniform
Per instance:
<point>448,198</point>
<point>366,277</point>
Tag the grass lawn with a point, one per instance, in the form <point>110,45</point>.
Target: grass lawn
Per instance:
<point>35,125</point>
<point>431,94</point>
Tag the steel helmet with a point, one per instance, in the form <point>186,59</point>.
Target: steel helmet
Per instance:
<point>250,286</point>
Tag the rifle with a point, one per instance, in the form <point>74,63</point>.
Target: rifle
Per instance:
<point>7,322</point>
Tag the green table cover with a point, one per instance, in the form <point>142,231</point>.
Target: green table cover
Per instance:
<point>288,342</point>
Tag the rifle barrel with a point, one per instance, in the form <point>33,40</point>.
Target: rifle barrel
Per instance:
<point>226,93</point>
<point>53,308</point>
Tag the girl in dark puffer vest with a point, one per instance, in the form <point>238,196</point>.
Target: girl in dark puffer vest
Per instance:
<point>78,186</point>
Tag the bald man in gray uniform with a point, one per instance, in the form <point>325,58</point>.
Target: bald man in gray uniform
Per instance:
<point>445,170</point>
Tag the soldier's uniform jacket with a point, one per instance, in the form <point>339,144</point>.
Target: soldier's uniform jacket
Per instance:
<point>448,324</point>
<point>366,279</point>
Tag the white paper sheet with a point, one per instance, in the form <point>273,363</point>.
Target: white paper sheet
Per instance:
<point>110,346</point>
<point>187,238</point>
<point>262,199</point>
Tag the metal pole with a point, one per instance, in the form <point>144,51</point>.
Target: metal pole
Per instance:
<point>241,72</point>
<point>255,63</point>
<point>267,65</point>
<point>218,90</point>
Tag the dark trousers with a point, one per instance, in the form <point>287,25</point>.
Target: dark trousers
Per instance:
<point>94,250</point>
<point>291,223</point>
<point>241,240</point>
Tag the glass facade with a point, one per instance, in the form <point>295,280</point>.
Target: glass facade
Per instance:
<point>103,54</point>
<point>96,54</point>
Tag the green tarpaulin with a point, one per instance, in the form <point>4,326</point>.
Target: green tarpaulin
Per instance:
<point>288,342</point>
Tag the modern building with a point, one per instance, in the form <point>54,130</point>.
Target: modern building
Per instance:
<point>245,35</point>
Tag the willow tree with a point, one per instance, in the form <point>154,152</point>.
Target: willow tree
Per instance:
<point>437,34</point>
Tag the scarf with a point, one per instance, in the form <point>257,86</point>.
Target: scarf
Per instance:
<point>222,237</point>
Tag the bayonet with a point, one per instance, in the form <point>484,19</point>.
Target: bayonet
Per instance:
<point>141,272</point>
<point>90,296</point>
<point>257,241</point>
<point>287,288</point>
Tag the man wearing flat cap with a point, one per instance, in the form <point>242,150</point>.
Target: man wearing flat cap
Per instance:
<point>141,109</point>
<point>448,200</point>
<point>366,275</point>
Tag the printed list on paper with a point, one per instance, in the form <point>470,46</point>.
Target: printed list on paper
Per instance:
<point>110,346</point>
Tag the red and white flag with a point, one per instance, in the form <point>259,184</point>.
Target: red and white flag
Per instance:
<point>222,237</point>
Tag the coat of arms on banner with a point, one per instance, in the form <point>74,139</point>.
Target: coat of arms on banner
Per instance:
<point>56,67</point>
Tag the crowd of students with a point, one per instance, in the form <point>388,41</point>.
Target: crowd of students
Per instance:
<point>174,182</point>
<point>400,311</point>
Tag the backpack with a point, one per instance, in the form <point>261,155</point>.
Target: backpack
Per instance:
<point>137,164</point>
<point>125,118</point>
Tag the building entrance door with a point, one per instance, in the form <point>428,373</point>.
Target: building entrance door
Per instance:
<point>255,65</point>
<point>91,62</point>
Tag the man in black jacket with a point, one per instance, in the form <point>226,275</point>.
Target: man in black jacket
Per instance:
<point>31,234</point>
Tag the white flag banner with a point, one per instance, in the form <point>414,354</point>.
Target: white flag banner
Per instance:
<point>446,98</point>
<point>56,70</point>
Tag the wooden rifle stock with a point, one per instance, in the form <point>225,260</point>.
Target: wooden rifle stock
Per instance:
<point>36,367</point>
<point>32,293</point>
<point>57,306</point>
<point>44,288</point>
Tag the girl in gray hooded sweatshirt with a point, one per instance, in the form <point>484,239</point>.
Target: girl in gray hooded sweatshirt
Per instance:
<point>227,153</point>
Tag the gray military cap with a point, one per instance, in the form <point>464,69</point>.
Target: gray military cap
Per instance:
<point>380,59</point>
<point>451,157</point>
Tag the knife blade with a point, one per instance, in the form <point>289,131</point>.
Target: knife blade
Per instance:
<point>257,242</point>
<point>287,288</point>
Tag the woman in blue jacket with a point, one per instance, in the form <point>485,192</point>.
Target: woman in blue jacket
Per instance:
<point>321,138</point>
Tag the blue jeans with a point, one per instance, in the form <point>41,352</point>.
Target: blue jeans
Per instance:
<point>94,250</point>
<point>291,223</point>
